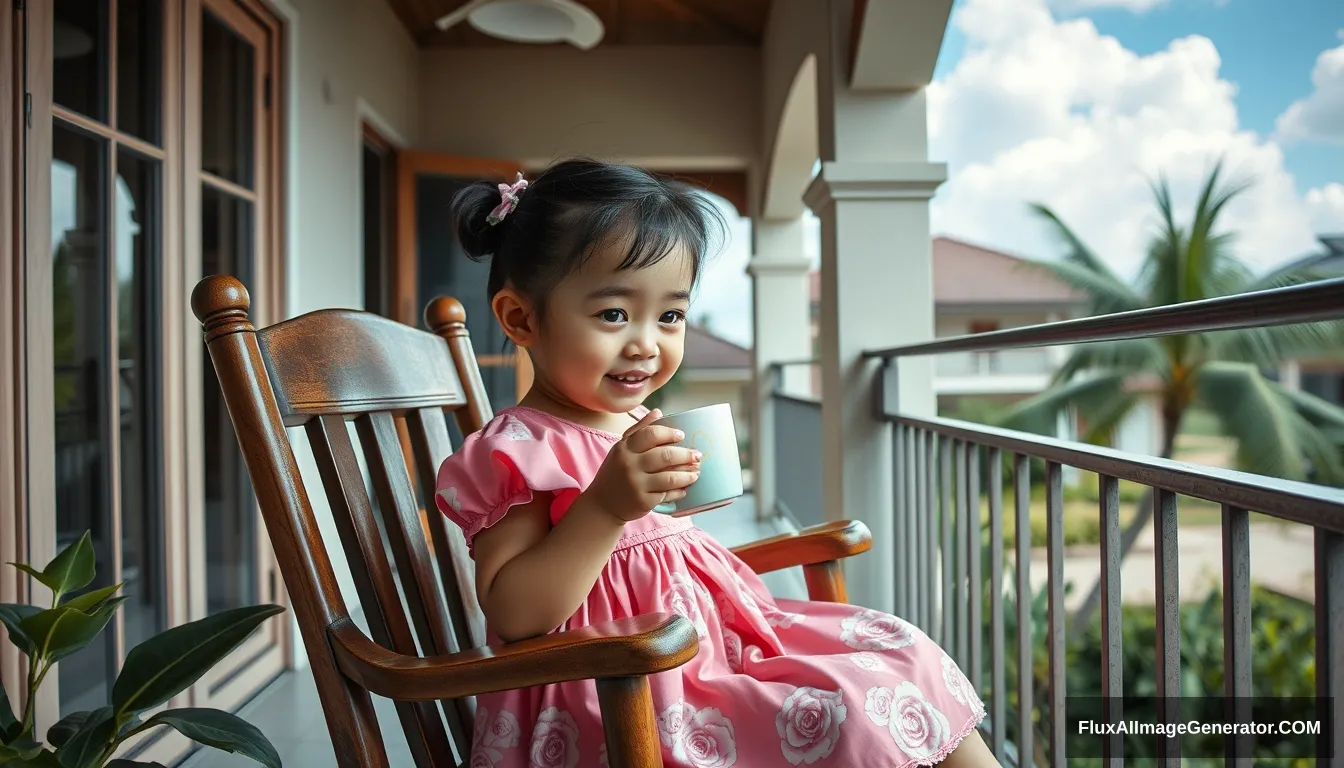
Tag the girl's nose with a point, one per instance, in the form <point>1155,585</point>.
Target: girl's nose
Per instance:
<point>642,346</point>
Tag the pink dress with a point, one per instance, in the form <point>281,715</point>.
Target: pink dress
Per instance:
<point>775,682</point>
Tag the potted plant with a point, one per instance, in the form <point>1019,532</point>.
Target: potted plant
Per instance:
<point>155,671</point>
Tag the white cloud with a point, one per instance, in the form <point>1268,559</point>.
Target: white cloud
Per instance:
<point>1051,111</point>
<point>1326,207</point>
<point>1320,116</point>
<point>724,292</point>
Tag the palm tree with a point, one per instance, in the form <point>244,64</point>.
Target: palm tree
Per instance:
<point>1278,432</point>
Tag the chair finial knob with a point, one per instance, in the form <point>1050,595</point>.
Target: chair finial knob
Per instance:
<point>445,311</point>
<point>218,294</point>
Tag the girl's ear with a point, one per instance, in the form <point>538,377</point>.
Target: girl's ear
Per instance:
<point>515,315</point>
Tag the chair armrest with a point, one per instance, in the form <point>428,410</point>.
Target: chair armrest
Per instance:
<point>634,647</point>
<point>816,544</point>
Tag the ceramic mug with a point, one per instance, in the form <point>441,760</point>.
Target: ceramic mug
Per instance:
<point>711,431</point>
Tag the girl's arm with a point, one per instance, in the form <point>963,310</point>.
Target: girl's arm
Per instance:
<point>531,577</point>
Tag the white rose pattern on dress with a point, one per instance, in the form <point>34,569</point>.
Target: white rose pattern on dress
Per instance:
<point>957,683</point>
<point>744,593</point>
<point>449,496</point>
<point>673,721</point>
<point>878,705</point>
<point>808,724</point>
<point>514,429</point>
<point>602,756</point>
<point>780,619</point>
<point>870,630</point>
<point>702,738</point>
<point>919,729</point>
<point>555,740</point>
<point>682,598</point>
<point>866,660</point>
<point>489,736</point>
<point>482,755</point>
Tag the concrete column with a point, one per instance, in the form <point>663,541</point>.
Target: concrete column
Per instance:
<point>1290,375</point>
<point>780,332</point>
<point>872,197</point>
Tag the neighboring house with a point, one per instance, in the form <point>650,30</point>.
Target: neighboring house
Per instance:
<point>978,290</point>
<point>713,370</point>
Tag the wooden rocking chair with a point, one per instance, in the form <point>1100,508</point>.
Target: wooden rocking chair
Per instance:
<point>327,368</point>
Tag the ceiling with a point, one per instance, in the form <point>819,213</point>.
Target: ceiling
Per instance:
<point>627,22</point>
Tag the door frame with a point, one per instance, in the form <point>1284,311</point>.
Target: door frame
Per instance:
<point>13,533</point>
<point>268,651</point>
<point>410,164</point>
<point>404,274</point>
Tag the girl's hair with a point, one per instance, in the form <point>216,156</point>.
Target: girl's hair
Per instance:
<point>573,207</point>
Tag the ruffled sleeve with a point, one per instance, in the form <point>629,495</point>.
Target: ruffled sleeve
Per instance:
<point>497,468</point>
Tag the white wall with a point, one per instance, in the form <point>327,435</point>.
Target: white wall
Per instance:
<point>662,107</point>
<point>348,59</point>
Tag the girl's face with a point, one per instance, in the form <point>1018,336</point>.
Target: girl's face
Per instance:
<point>611,338</point>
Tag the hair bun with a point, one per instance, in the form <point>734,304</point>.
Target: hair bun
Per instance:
<point>471,205</point>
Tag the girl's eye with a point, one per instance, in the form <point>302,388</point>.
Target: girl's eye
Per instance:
<point>672,317</point>
<point>612,315</point>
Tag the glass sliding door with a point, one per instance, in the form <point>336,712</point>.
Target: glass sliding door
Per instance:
<point>152,159</point>
<point>107,167</point>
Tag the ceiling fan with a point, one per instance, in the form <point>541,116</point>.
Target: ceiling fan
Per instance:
<point>530,21</point>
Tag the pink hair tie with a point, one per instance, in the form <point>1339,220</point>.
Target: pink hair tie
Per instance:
<point>509,194</point>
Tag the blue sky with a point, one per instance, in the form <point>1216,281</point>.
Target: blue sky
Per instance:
<point>1032,102</point>
<point>1268,49</point>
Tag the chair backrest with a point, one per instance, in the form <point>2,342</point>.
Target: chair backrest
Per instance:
<point>323,372</point>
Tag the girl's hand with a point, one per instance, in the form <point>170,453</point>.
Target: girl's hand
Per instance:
<point>644,469</point>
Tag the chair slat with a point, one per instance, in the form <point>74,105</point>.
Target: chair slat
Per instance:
<point>401,522</point>
<point>429,443</point>
<point>364,552</point>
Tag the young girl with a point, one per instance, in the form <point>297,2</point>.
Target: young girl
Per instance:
<point>592,271</point>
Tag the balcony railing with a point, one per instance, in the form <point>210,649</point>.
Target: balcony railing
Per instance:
<point>948,567</point>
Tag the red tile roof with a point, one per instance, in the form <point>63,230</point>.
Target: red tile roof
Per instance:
<point>968,274</point>
<point>705,350</point>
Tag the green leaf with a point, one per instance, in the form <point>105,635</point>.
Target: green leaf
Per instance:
<point>12,616</point>
<point>7,718</point>
<point>59,632</point>
<point>1270,346</point>
<point>165,665</point>
<point>71,570</point>
<point>87,744</point>
<point>1083,269</point>
<point>68,726</point>
<point>221,730</point>
<point>123,763</point>
<point>1272,437</point>
<point>1129,356</point>
<point>21,749</point>
<point>1040,414</point>
<point>90,601</point>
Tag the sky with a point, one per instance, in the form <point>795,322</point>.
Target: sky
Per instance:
<point>1082,104</point>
